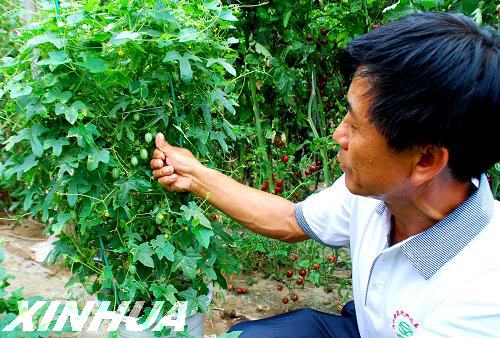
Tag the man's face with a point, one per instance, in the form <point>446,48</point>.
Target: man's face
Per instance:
<point>371,168</point>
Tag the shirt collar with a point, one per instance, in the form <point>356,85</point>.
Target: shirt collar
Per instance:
<point>431,249</point>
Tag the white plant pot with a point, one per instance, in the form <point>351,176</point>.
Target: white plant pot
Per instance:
<point>194,322</point>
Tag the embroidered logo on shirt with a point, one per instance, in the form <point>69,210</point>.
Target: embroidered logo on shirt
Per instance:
<point>403,324</point>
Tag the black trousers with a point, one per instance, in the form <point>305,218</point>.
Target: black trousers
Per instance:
<point>304,323</point>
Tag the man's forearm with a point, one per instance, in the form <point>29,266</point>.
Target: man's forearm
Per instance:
<point>263,213</point>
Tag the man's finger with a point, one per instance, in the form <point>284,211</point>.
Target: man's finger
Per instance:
<point>162,144</point>
<point>158,154</point>
<point>156,164</point>
<point>166,181</point>
<point>165,171</point>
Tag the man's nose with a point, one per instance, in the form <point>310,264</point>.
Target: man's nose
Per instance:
<point>341,135</point>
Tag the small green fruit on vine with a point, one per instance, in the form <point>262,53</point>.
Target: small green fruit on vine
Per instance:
<point>143,154</point>
<point>148,137</point>
<point>134,161</point>
<point>115,173</point>
<point>136,117</point>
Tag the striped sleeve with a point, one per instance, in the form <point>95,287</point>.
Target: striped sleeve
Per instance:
<point>325,215</point>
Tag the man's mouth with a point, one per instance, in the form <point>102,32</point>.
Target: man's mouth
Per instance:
<point>341,165</point>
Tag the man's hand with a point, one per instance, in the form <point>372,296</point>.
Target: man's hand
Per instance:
<point>266,214</point>
<point>172,166</point>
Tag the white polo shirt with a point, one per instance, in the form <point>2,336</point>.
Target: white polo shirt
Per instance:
<point>443,282</point>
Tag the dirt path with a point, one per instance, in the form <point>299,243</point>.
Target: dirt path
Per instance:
<point>27,247</point>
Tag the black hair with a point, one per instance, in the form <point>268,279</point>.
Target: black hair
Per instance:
<point>435,80</point>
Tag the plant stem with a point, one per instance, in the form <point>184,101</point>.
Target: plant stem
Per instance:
<point>260,135</point>
<point>322,151</point>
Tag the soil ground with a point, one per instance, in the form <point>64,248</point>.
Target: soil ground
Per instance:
<point>27,247</point>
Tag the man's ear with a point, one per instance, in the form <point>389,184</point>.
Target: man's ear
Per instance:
<point>429,162</point>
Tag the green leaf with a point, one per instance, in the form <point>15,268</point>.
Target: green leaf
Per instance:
<point>194,301</point>
<point>218,95</point>
<point>478,16</point>
<point>286,17</point>
<point>75,18</point>
<point>61,220</point>
<point>28,163</point>
<point>49,198</point>
<point>229,130</point>
<point>94,65</point>
<point>187,263</point>
<point>193,212</point>
<point>137,184</point>
<point>228,67</point>
<point>19,90</point>
<point>219,137</point>
<point>227,15</point>
<point>29,134</point>
<point>55,59</point>
<point>84,134</point>
<point>184,65</point>
<point>262,50</point>
<point>49,79</point>
<point>188,34</point>
<point>203,236</point>
<point>430,4</point>
<point>144,255</point>
<point>167,292</point>
<point>56,145</point>
<point>36,145</point>
<point>70,113</point>
<point>36,109</point>
<point>93,160</point>
<point>163,248</point>
<point>212,5</point>
<point>208,271</point>
<point>124,37</point>
<point>2,169</point>
<point>44,38</point>
<point>8,61</point>
<point>55,95</point>
<point>15,139</point>
<point>68,165</point>
<point>72,193</point>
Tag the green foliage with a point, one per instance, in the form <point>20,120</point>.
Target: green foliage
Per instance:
<point>87,86</point>
<point>252,90</point>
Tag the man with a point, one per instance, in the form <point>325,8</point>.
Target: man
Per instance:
<point>414,204</point>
